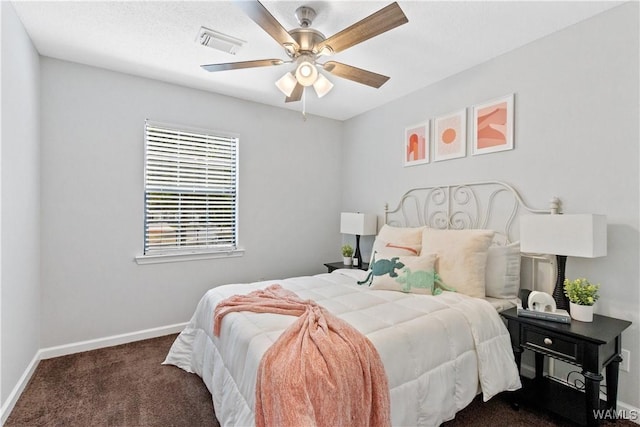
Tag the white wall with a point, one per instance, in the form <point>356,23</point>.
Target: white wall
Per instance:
<point>92,200</point>
<point>19,197</point>
<point>576,137</point>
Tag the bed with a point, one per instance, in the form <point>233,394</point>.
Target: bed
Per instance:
<point>439,348</point>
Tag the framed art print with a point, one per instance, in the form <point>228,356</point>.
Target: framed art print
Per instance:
<point>450,136</point>
<point>416,144</point>
<point>493,126</point>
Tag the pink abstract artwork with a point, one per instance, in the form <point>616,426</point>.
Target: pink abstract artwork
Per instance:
<point>416,144</point>
<point>494,126</point>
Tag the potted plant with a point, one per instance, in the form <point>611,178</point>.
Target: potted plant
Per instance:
<point>347,253</point>
<point>582,296</point>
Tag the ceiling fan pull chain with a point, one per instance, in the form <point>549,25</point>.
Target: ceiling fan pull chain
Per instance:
<point>304,104</point>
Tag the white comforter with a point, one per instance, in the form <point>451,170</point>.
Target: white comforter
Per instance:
<point>437,350</point>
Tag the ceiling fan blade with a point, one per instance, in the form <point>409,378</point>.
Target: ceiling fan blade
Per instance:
<point>261,16</point>
<point>355,74</point>
<point>241,65</point>
<point>296,95</point>
<point>381,21</point>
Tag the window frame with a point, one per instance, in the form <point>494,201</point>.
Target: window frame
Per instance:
<point>189,253</point>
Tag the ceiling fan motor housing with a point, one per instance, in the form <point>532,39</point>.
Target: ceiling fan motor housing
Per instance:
<point>307,39</point>
<point>305,16</point>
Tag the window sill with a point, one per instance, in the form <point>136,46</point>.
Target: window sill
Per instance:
<point>194,256</point>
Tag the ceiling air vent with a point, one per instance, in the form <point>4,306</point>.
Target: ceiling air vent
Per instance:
<point>219,41</point>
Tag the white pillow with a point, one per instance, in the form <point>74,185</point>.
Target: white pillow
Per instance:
<point>502,274</point>
<point>411,274</point>
<point>462,257</point>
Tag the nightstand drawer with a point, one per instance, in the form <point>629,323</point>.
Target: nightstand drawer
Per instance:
<point>550,342</point>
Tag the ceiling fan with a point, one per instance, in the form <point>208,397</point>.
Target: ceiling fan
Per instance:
<point>305,45</point>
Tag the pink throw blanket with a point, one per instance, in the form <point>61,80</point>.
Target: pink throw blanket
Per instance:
<point>320,372</point>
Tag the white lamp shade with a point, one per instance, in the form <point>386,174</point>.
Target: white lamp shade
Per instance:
<point>306,73</point>
<point>360,224</point>
<point>322,86</point>
<point>286,84</point>
<point>583,235</point>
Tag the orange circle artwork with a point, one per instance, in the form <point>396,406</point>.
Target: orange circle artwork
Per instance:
<point>448,136</point>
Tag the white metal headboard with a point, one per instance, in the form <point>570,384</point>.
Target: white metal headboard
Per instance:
<point>489,205</point>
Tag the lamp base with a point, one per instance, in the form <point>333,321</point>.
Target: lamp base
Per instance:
<point>357,257</point>
<point>558,292</point>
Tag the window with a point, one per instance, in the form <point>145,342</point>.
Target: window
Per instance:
<point>191,196</point>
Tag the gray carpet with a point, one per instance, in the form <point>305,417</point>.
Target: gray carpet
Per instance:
<point>126,385</point>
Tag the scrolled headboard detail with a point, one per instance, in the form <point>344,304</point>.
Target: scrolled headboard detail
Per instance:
<point>481,205</point>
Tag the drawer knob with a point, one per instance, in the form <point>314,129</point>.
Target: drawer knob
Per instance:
<point>548,341</point>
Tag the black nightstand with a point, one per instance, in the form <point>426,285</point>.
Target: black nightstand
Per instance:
<point>591,346</point>
<point>336,265</point>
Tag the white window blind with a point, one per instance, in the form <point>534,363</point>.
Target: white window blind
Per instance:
<point>191,196</point>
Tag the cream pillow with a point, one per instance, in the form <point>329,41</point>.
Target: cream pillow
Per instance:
<point>399,249</point>
<point>401,241</point>
<point>412,274</point>
<point>462,257</point>
<point>401,235</point>
<point>502,275</point>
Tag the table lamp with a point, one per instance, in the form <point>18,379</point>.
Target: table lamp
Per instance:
<point>577,235</point>
<point>360,224</point>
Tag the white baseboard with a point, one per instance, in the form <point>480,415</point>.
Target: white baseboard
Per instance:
<point>527,370</point>
<point>631,413</point>
<point>11,400</point>
<point>63,350</point>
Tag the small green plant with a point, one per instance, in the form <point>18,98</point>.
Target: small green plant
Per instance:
<point>581,291</point>
<point>347,251</point>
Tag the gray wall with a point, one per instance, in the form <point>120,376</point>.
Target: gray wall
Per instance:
<point>576,137</point>
<point>19,198</point>
<point>71,187</point>
<point>92,200</point>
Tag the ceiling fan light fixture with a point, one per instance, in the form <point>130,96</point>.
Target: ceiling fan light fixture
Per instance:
<point>326,51</point>
<point>289,48</point>
<point>286,84</point>
<point>306,73</point>
<point>322,86</point>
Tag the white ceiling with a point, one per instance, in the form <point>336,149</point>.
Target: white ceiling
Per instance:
<point>157,39</point>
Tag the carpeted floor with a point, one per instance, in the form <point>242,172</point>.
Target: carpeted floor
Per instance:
<point>127,386</point>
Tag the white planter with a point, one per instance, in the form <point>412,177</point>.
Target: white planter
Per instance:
<point>346,260</point>
<point>582,313</point>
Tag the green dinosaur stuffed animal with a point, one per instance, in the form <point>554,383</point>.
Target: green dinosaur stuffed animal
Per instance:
<point>382,267</point>
<point>422,279</point>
